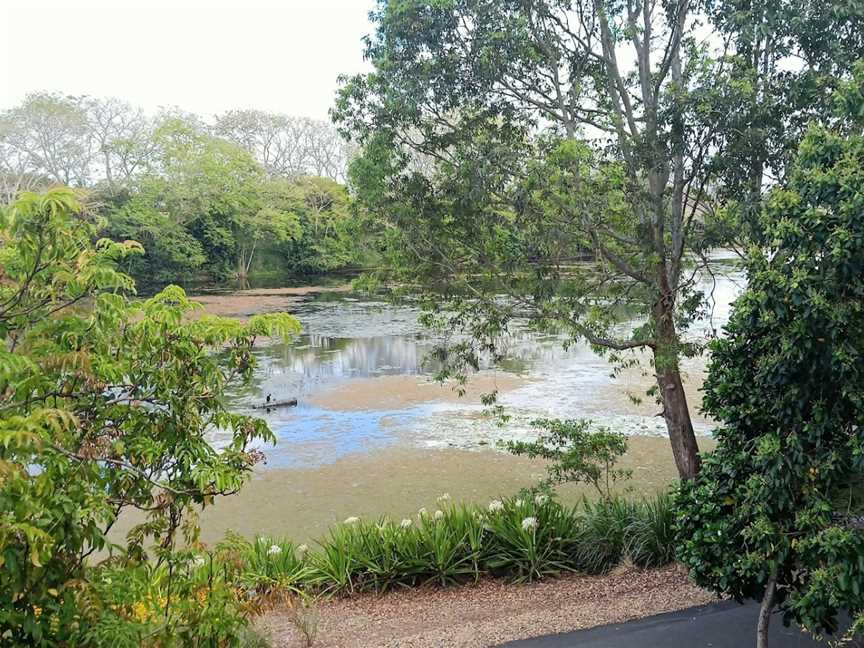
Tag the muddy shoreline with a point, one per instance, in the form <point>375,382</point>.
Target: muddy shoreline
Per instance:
<point>391,392</point>
<point>245,303</point>
<point>301,503</point>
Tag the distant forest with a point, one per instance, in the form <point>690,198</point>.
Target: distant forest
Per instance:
<point>242,193</point>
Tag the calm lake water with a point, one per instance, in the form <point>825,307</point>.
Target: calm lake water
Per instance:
<point>359,373</point>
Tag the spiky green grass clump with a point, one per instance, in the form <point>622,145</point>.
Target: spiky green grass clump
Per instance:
<point>520,538</point>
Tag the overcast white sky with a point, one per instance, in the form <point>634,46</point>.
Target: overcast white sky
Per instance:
<point>205,56</point>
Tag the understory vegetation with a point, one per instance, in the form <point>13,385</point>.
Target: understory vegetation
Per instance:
<point>775,513</point>
<point>520,539</point>
<point>105,404</point>
<point>212,595</point>
<point>561,168</point>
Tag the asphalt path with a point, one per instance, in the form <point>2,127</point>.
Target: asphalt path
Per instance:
<point>725,624</point>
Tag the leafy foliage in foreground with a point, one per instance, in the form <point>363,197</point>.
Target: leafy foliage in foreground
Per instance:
<point>206,596</point>
<point>184,602</point>
<point>776,509</point>
<point>104,406</point>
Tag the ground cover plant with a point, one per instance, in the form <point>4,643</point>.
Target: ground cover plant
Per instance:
<point>521,539</point>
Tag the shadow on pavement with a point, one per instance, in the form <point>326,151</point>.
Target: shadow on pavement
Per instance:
<point>718,625</point>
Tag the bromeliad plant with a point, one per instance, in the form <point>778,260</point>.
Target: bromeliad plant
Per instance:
<point>105,403</point>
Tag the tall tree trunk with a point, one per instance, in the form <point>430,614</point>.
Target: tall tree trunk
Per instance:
<point>241,264</point>
<point>685,450</point>
<point>109,175</point>
<point>677,415</point>
<point>765,611</point>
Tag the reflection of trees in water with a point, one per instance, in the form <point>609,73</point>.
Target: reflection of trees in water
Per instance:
<point>315,357</point>
<point>292,369</point>
<point>398,348</point>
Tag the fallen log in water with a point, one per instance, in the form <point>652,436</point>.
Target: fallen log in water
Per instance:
<point>291,402</point>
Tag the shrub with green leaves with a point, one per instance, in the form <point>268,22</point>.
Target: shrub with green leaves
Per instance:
<point>775,512</point>
<point>577,453</point>
<point>186,601</point>
<point>105,405</point>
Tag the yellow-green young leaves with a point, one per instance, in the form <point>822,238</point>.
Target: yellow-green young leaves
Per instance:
<point>106,402</point>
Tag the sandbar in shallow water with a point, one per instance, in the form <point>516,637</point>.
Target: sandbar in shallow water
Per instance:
<point>392,392</point>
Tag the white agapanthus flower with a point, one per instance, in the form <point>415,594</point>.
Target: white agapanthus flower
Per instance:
<point>495,506</point>
<point>439,515</point>
<point>405,523</point>
<point>540,500</point>
<point>422,512</point>
<point>302,549</point>
<point>274,550</point>
<point>199,560</point>
<point>519,502</point>
<point>529,523</point>
<point>352,520</point>
<point>444,498</point>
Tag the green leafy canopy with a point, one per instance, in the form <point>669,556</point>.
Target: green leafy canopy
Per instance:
<point>106,402</point>
<point>779,501</point>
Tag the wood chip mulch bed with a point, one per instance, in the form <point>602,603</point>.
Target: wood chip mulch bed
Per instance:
<point>491,612</point>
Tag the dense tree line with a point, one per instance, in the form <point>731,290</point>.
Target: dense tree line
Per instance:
<point>206,199</point>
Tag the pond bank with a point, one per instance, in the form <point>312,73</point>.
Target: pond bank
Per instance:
<point>302,503</point>
<point>373,435</point>
<point>244,303</point>
<point>399,391</point>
